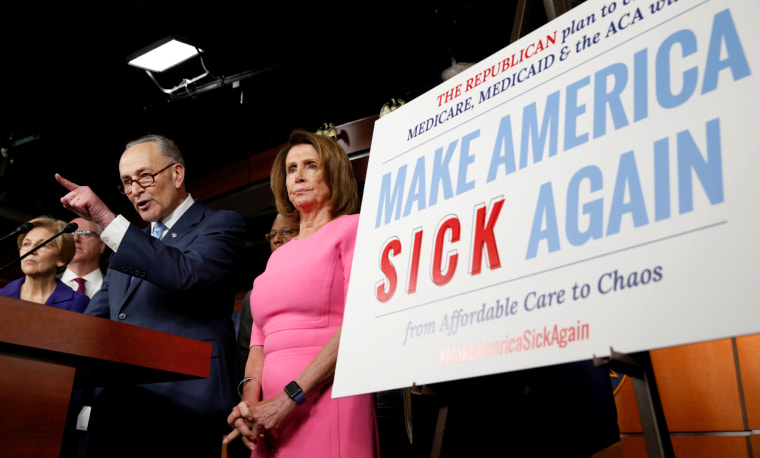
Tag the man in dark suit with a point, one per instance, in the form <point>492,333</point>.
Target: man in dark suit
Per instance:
<point>174,276</point>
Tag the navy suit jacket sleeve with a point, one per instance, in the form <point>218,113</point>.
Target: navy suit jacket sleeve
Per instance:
<point>194,260</point>
<point>98,305</point>
<point>200,252</point>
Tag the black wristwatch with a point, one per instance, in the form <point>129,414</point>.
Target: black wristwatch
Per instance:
<point>294,391</point>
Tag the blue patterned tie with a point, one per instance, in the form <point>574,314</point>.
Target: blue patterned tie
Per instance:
<point>158,229</point>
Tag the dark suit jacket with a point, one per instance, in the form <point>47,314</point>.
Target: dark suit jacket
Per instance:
<point>183,285</point>
<point>63,296</point>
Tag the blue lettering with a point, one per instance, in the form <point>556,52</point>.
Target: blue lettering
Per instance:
<point>504,143</point>
<point>572,111</point>
<point>602,98</point>
<point>465,159</point>
<point>710,172</point>
<point>724,29</point>
<point>390,201</point>
<point>530,131</point>
<point>441,175</point>
<point>545,210</point>
<point>640,86</point>
<point>594,209</point>
<point>417,188</point>
<point>665,95</point>
<point>627,178</point>
<point>661,180</point>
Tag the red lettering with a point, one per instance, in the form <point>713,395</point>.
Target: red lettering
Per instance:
<point>414,266</point>
<point>449,95</point>
<point>484,237</point>
<point>450,225</point>
<point>383,294</point>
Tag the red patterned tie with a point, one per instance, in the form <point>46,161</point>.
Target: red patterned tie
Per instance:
<point>80,282</point>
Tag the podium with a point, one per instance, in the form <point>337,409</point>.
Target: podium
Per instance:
<point>45,352</point>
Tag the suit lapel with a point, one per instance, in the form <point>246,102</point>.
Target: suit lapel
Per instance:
<point>132,284</point>
<point>127,283</point>
<point>173,236</point>
<point>184,225</point>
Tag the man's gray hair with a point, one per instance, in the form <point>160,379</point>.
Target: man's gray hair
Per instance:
<point>166,147</point>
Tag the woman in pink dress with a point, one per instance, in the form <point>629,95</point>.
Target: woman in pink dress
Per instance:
<point>287,409</point>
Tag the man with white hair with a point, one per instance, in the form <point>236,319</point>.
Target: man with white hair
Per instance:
<point>175,275</point>
<point>83,273</point>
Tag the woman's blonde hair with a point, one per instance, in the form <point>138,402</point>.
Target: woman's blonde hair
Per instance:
<point>335,166</point>
<point>65,242</point>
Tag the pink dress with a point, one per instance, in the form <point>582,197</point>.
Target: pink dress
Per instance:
<point>297,304</point>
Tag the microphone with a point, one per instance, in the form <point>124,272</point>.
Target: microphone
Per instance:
<point>71,227</point>
<point>26,227</point>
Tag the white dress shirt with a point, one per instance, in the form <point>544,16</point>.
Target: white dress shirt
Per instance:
<point>114,233</point>
<point>93,281</point>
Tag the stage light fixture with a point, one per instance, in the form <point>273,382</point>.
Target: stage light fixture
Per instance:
<point>166,54</point>
<point>163,55</point>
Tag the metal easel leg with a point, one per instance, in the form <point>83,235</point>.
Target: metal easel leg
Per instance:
<point>638,366</point>
<point>440,427</point>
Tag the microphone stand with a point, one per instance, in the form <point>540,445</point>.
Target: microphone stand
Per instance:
<point>26,227</point>
<point>71,227</point>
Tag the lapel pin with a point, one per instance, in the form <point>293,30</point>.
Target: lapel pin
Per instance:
<point>174,235</point>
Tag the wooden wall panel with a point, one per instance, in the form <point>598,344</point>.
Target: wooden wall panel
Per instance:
<point>261,165</point>
<point>711,446</point>
<point>357,136</point>
<point>693,447</point>
<point>634,447</point>
<point>628,411</point>
<point>226,179</point>
<point>698,386</point>
<point>748,348</point>
<point>360,168</point>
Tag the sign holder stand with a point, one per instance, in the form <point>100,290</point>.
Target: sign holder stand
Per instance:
<point>638,366</point>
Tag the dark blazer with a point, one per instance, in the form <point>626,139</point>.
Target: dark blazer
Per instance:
<point>183,285</point>
<point>63,296</point>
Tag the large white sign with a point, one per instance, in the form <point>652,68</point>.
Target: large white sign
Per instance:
<point>592,186</point>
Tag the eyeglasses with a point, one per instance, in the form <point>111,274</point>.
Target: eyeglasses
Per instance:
<point>145,180</point>
<point>86,234</point>
<point>285,234</point>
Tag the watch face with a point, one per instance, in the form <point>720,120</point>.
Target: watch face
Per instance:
<point>292,389</point>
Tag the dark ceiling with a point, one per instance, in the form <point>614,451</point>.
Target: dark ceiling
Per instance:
<point>69,102</point>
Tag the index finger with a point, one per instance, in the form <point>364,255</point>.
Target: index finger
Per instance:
<point>230,437</point>
<point>66,183</point>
